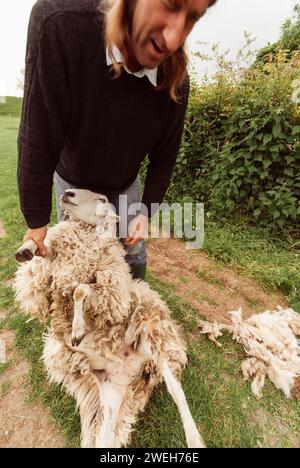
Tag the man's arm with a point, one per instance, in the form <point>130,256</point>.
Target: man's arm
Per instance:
<point>45,117</point>
<point>163,156</point>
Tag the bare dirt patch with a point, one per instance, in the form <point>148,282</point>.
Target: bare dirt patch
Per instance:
<point>2,230</point>
<point>212,290</point>
<point>22,425</point>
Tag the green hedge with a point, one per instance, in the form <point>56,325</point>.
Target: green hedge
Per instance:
<point>240,152</point>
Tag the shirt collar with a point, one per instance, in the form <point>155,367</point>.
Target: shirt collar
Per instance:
<point>151,74</point>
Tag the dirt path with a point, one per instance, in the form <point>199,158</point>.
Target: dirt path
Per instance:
<point>22,425</point>
<point>203,282</point>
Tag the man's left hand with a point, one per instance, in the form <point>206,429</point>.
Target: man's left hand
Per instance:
<point>137,230</point>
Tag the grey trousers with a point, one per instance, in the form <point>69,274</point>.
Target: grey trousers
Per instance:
<point>136,255</point>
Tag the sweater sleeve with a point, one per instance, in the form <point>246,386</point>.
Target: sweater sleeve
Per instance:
<point>163,156</point>
<point>45,117</point>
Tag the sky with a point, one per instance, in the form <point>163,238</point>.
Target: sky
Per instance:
<point>225,23</point>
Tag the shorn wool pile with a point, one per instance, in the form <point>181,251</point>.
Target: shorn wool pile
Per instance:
<point>270,341</point>
<point>111,340</point>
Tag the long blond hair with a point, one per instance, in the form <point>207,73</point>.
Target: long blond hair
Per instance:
<point>117,19</point>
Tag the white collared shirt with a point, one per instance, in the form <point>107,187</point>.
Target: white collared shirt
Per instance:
<point>151,74</point>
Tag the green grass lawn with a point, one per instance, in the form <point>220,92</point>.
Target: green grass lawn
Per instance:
<point>222,404</point>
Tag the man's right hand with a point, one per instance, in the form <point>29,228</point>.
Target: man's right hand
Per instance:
<point>38,236</point>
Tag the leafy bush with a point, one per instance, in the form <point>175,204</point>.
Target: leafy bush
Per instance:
<point>240,152</point>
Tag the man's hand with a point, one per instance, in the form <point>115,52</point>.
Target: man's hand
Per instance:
<point>38,236</point>
<point>137,230</point>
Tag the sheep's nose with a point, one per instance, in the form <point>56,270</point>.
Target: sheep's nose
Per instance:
<point>66,197</point>
<point>70,194</point>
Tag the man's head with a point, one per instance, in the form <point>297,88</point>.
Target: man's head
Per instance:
<point>152,33</point>
<point>159,28</point>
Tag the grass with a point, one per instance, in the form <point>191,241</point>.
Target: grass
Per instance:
<point>4,388</point>
<point>221,402</point>
<point>272,262</point>
<point>4,366</point>
<point>209,277</point>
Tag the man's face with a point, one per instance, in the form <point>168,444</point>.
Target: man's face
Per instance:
<point>160,27</point>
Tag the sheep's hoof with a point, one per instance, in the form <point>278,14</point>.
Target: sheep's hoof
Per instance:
<point>27,251</point>
<point>76,341</point>
<point>24,255</point>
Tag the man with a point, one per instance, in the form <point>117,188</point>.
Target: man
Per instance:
<point>92,128</point>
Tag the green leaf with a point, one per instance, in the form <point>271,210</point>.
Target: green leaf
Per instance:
<point>296,130</point>
<point>277,130</point>
<point>267,138</point>
<point>267,163</point>
<point>264,174</point>
<point>274,148</point>
<point>257,212</point>
<point>290,159</point>
<point>286,211</point>
<point>289,171</point>
<point>262,196</point>
<point>276,214</point>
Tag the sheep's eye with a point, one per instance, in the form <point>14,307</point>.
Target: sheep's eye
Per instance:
<point>103,200</point>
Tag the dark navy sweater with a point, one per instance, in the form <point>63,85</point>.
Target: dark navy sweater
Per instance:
<point>93,130</point>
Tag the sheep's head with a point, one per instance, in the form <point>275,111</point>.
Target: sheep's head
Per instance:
<point>90,208</point>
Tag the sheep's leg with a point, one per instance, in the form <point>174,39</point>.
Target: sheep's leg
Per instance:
<point>28,250</point>
<point>78,326</point>
<point>113,383</point>
<point>193,438</point>
<point>111,396</point>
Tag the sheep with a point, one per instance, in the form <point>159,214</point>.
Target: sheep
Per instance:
<point>270,339</point>
<point>111,339</point>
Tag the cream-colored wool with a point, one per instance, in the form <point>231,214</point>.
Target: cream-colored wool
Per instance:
<point>150,322</point>
<point>270,339</point>
<point>128,342</point>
